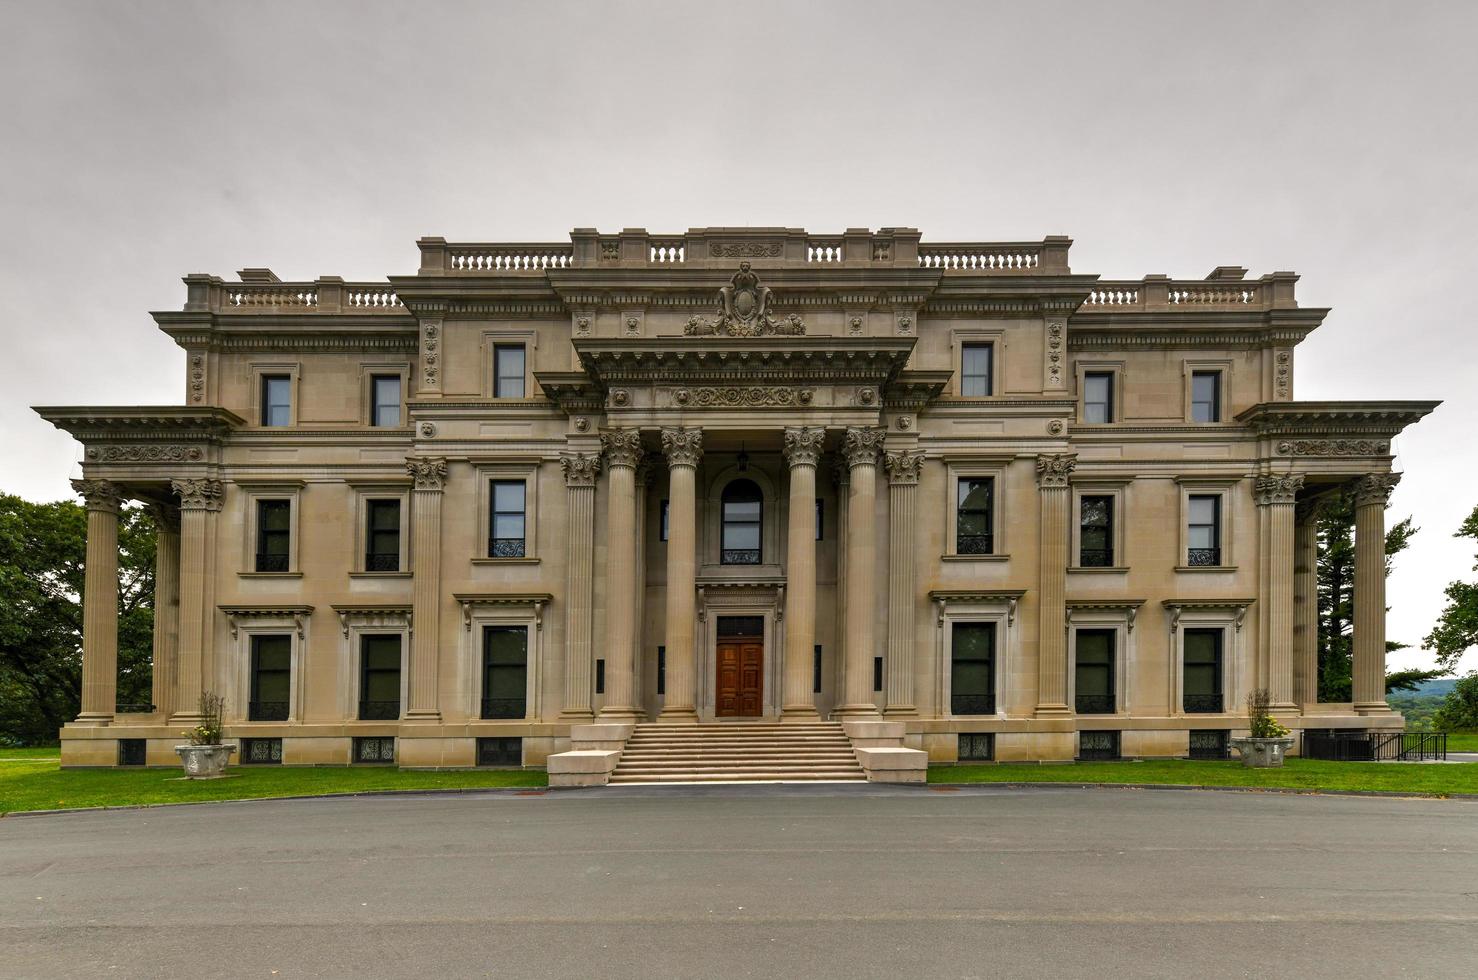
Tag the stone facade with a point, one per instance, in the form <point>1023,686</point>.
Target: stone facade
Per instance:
<point>959,486</point>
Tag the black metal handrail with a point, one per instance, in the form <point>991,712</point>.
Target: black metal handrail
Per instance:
<point>385,562</point>
<point>972,704</point>
<point>503,708</point>
<point>137,708</point>
<point>1095,704</point>
<point>1095,558</point>
<point>1203,704</point>
<point>975,544</point>
<point>1357,746</point>
<point>505,547</point>
<point>379,710</point>
<point>1203,557</point>
<point>266,711</point>
<point>271,563</point>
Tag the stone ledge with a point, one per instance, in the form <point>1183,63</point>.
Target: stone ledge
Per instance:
<point>582,767</point>
<point>894,765</point>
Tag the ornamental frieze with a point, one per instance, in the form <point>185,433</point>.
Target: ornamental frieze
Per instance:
<point>734,396</point>
<point>744,250</point>
<point>146,454</point>
<point>1333,447</point>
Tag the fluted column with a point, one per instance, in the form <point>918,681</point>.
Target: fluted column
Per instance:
<point>100,602</point>
<point>1369,669</point>
<point>903,487</point>
<point>1053,472</point>
<point>683,447</point>
<point>1306,601</point>
<point>429,474</point>
<point>580,471</point>
<point>860,448</point>
<point>166,606</point>
<point>623,451</point>
<point>802,450</point>
<point>200,502</point>
<point>1275,496</point>
<point>842,479</point>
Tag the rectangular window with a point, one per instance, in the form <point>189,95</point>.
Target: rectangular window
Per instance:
<point>1096,532</point>
<point>382,536</point>
<point>506,522</point>
<point>274,535</point>
<point>820,516</point>
<point>385,407</point>
<point>379,678</point>
<point>261,751</point>
<point>505,671</point>
<point>1204,530</point>
<point>373,750</point>
<point>662,522</point>
<point>1205,396</point>
<point>1094,672</point>
<point>500,752</point>
<point>1098,745</point>
<point>271,677</point>
<point>661,670</point>
<point>133,751</point>
<point>277,400</point>
<point>508,369</point>
<point>972,674</point>
<point>1203,671</point>
<point>816,669</point>
<point>1098,396</point>
<point>977,747</point>
<point>975,370</point>
<point>1209,745</point>
<point>877,674</point>
<point>975,517</point>
<point>600,675</point>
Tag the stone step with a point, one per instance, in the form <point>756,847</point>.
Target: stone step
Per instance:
<point>767,766</point>
<point>783,761</point>
<point>743,752</point>
<point>840,776</point>
<point>737,744</point>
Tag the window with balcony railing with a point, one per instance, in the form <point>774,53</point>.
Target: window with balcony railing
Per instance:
<point>972,680</point>
<point>274,535</point>
<point>379,678</point>
<point>1203,532</point>
<point>1202,671</point>
<point>1094,672</point>
<point>1096,532</point>
<point>271,677</point>
<point>382,536</point>
<point>507,520</point>
<point>975,516</point>
<point>504,671</point>
<point>743,523</point>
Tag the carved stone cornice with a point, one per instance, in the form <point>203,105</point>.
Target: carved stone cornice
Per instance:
<point>1277,488</point>
<point>1348,426</point>
<point>622,447</point>
<point>99,495</point>
<point>904,465</point>
<point>862,444</point>
<point>199,494</point>
<point>1374,488</point>
<point>580,469</point>
<point>429,472</point>
<point>803,445</point>
<point>682,447</point>
<point>1053,470</point>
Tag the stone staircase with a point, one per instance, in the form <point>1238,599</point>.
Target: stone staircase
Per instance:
<point>738,752</point>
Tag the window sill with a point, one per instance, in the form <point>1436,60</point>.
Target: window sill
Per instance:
<point>379,574</point>
<point>505,561</point>
<point>974,557</point>
<point>1205,568</point>
<point>1090,569</point>
<point>270,574</point>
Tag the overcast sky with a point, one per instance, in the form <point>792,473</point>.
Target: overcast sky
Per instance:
<point>143,141</point>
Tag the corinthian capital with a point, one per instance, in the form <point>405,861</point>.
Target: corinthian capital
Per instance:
<point>1277,489</point>
<point>622,447</point>
<point>1375,488</point>
<point>683,447</point>
<point>202,494</point>
<point>103,495</point>
<point>429,472</point>
<point>803,446</point>
<point>1053,470</point>
<point>580,469</point>
<point>903,466</point>
<point>861,445</point>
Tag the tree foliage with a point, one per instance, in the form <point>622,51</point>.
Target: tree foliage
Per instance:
<point>1457,627</point>
<point>1459,711</point>
<point>42,552</point>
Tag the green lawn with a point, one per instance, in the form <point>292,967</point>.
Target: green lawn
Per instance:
<point>1462,742</point>
<point>32,779</point>
<point>1388,777</point>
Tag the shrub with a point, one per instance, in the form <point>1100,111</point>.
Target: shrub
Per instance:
<point>1261,723</point>
<point>208,732</point>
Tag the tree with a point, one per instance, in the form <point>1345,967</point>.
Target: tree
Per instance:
<point>43,548</point>
<point>1459,711</point>
<point>1457,627</point>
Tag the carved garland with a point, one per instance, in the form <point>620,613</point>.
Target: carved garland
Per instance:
<point>1333,447</point>
<point>744,250</point>
<point>146,454</point>
<point>735,397</point>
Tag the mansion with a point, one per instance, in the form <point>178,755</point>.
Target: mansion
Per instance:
<point>535,502</point>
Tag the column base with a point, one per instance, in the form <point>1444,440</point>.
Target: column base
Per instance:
<point>1373,708</point>
<point>187,718</point>
<point>866,710</point>
<point>423,716</point>
<point>93,719</point>
<point>799,712</point>
<point>577,717</point>
<point>901,711</point>
<point>620,714</point>
<point>1054,711</point>
<point>678,716</point>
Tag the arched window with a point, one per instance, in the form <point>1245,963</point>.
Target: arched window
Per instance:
<point>743,518</point>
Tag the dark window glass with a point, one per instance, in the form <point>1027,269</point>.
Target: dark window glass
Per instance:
<point>271,677</point>
<point>600,675</point>
<point>972,675</point>
<point>816,669</point>
<point>386,408</point>
<point>662,522</point>
<point>743,509</point>
<point>1209,745</point>
<point>1204,528</point>
<point>508,368</point>
<point>1095,672</point>
<point>661,670</point>
<point>975,518</point>
<point>877,673</point>
<point>1096,532</point>
<point>1203,671</point>
<point>274,535</point>
<point>504,671</point>
<point>500,752</point>
<point>975,370</point>
<point>261,751</point>
<point>379,679</point>
<point>382,536</point>
<point>277,404</point>
<point>1205,396</point>
<point>977,747</point>
<point>820,516</point>
<point>374,750</point>
<point>737,627</point>
<point>133,751</point>
<point>1098,745</point>
<point>1098,396</point>
<point>506,522</point>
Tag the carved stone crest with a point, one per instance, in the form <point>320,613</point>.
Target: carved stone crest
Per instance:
<point>743,309</point>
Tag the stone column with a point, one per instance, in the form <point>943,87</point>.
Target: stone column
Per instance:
<point>429,474</point>
<point>1306,601</point>
<point>903,487</point>
<point>1369,669</point>
<point>860,447</point>
<point>1275,499</point>
<point>802,450</point>
<point>623,451</point>
<point>684,447</point>
<point>642,487</point>
<point>1055,498</point>
<point>100,602</point>
<point>166,606</point>
<point>200,502</point>
<point>841,478</point>
<point>581,471</point>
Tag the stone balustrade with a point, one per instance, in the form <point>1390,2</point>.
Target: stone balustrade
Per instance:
<point>1220,291</point>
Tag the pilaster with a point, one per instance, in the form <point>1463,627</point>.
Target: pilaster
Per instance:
<point>802,450</point>
<point>1275,496</point>
<point>860,448</point>
<point>100,602</point>
<point>1053,473</point>
<point>1306,601</point>
<point>623,451</point>
<point>429,474</point>
<point>903,468</point>
<point>200,502</point>
<point>1372,492</point>
<point>683,448</point>
<point>580,472</point>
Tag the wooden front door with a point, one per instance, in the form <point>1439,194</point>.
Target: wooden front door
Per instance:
<point>741,678</point>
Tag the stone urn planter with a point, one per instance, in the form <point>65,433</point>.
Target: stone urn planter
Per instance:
<point>1262,753</point>
<point>204,761</point>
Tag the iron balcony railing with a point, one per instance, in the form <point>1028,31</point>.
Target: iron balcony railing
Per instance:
<point>1354,746</point>
<point>1095,558</point>
<point>1203,557</point>
<point>505,548</point>
<point>266,711</point>
<point>389,562</point>
<point>975,544</point>
<point>1095,704</point>
<point>271,563</point>
<point>503,708</point>
<point>379,710</point>
<point>972,704</point>
<point>1203,704</point>
<point>741,556</point>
